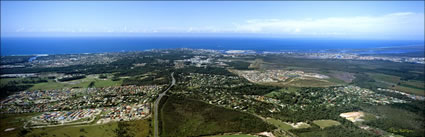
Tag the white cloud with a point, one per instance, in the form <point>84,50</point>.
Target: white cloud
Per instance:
<point>393,25</point>
<point>401,14</point>
<point>20,30</point>
<point>401,23</point>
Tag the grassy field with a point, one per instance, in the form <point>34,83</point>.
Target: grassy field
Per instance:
<point>326,123</point>
<point>4,81</point>
<point>409,89</point>
<point>394,82</point>
<point>137,128</point>
<point>13,121</point>
<point>104,130</point>
<point>239,135</point>
<point>334,131</point>
<point>185,117</point>
<point>82,83</point>
<point>279,124</point>
<point>312,82</point>
<point>344,76</point>
<point>396,120</point>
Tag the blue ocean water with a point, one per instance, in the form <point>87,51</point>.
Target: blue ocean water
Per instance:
<point>65,45</point>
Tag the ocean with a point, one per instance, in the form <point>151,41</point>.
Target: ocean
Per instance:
<point>67,45</point>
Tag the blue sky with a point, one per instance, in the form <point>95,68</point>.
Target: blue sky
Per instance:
<point>352,19</point>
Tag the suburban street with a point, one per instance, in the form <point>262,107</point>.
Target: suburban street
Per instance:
<point>156,105</point>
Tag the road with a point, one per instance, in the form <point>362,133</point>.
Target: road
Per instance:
<point>156,105</point>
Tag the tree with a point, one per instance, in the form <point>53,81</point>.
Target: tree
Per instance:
<point>91,84</point>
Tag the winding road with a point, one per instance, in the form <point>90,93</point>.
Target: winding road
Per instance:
<point>156,105</point>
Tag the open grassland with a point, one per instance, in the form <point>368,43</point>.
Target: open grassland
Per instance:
<point>333,131</point>
<point>16,121</point>
<point>410,90</point>
<point>394,82</point>
<point>397,121</point>
<point>367,74</point>
<point>239,135</point>
<point>279,124</point>
<point>53,84</point>
<point>186,117</point>
<point>4,81</point>
<point>104,130</point>
<point>306,82</point>
<point>384,77</point>
<point>326,123</point>
<point>81,83</point>
<point>136,128</point>
<point>344,76</point>
<point>311,82</point>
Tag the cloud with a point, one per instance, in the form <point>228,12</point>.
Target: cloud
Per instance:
<point>401,23</point>
<point>20,30</point>
<point>401,14</point>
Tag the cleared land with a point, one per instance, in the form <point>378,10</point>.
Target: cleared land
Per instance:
<point>280,124</point>
<point>394,82</point>
<point>105,130</point>
<point>326,123</point>
<point>395,120</point>
<point>185,117</point>
<point>82,83</point>
<point>344,76</point>
<point>241,135</point>
<point>137,128</point>
<point>312,82</point>
<point>15,121</point>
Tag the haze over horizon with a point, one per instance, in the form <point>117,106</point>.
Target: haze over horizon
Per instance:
<point>344,20</point>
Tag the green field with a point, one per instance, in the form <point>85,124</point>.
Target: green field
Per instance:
<point>279,124</point>
<point>326,123</point>
<point>82,83</point>
<point>240,135</point>
<point>394,82</point>
<point>4,81</point>
<point>395,120</point>
<point>13,121</point>
<point>136,128</point>
<point>104,130</point>
<point>311,83</point>
<point>333,131</point>
<point>185,117</point>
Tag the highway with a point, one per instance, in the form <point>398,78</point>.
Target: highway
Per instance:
<point>156,105</point>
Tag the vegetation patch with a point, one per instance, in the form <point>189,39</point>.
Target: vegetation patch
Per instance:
<point>239,135</point>
<point>279,124</point>
<point>15,122</point>
<point>82,83</point>
<point>326,123</point>
<point>311,83</point>
<point>397,121</point>
<point>136,128</point>
<point>344,76</point>
<point>185,117</point>
<point>333,131</point>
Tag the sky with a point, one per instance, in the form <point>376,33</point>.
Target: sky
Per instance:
<point>395,20</point>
